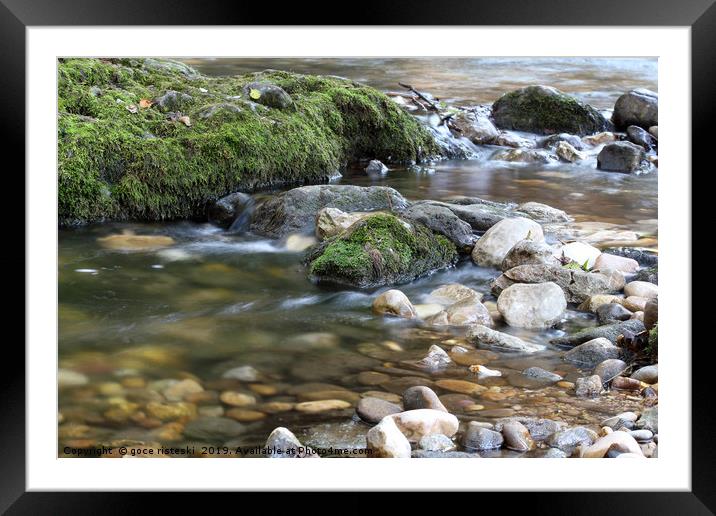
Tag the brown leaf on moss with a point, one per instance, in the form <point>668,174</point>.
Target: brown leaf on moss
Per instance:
<point>145,103</point>
<point>185,120</point>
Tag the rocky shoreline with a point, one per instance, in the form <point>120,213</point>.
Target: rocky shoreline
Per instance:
<point>451,401</point>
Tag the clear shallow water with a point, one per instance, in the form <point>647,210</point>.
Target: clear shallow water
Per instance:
<point>213,301</point>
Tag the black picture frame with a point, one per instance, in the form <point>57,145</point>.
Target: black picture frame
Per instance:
<point>17,15</point>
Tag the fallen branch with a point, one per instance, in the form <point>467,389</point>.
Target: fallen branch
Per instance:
<point>430,103</point>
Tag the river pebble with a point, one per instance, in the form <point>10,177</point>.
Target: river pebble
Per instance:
<point>420,397</point>
<point>436,443</point>
<point>312,407</point>
<point>385,440</point>
<point>372,410</point>
<point>478,438</point>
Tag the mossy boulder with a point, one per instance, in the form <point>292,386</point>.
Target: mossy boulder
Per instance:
<point>546,110</point>
<point>378,250</point>
<point>126,151</point>
<point>296,210</point>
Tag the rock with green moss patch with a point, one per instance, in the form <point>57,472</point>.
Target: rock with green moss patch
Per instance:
<point>546,110</point>
<point>378,250</point>
<point>108,169</point>
<point>268,94</point>
<point>296,210</point>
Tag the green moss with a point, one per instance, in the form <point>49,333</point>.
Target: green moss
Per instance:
<point>148,165</point>
<point>537,110</point>
<point>381,249</point>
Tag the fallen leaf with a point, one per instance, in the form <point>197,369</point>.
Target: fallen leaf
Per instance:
<point>255,94</point>
<point>185,120</point>
<point>145,103</point>
<point>132,108</point>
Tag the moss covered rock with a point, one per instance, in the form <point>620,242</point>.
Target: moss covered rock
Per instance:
<point>546,110</point>
<point>128,151</point>
<point>380,249</point>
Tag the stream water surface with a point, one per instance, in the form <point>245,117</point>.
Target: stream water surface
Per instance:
<point>135,322</point>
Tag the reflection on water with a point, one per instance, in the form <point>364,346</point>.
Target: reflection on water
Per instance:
<point>134,322</point>
<point>473,80</point>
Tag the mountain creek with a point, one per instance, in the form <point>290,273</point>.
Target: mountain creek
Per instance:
<point>497,301</point>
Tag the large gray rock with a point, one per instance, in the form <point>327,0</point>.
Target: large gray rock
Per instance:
<point>621,157</point>
<point>521,156</point>
<point>173,101</point>
<point>536,305</point>
<point>592,353</point>
<point>442,220</point>
<point>493,246</point>
<point>577,285</point>
<point>546,110</point>
<point>608,331</point>
<point>636,107</point>
<point>296,210</point>
<point>485,337</point>
<point>529,252</point>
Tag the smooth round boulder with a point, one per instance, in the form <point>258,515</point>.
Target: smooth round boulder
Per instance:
<point>651,313</point>
<point>493,246</point>
<point>394,302</point>
<point>532,305</point>
<point>376,167</point>
<point>640,137</point>
<point>546,110</point>
<point>588,386</point>
<point>283,444</point>
<point>437,443</point>
<point>647,374</point>
<point>638,107</point>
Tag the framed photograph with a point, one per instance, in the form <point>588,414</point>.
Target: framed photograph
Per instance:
<point>426,237</point>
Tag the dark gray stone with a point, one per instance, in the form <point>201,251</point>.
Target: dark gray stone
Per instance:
<point>541,374</point>
<point>609,369</point>
<point>640,137</point>
<point>621,157</point>
<point>223,212</point>
<point>376,167</point>
<point>173,101</point>
<point>270,95</point>
<point>568,440</point>
<point>591,353</point>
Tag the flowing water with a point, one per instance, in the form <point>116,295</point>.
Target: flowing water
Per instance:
<point>132,322</point>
